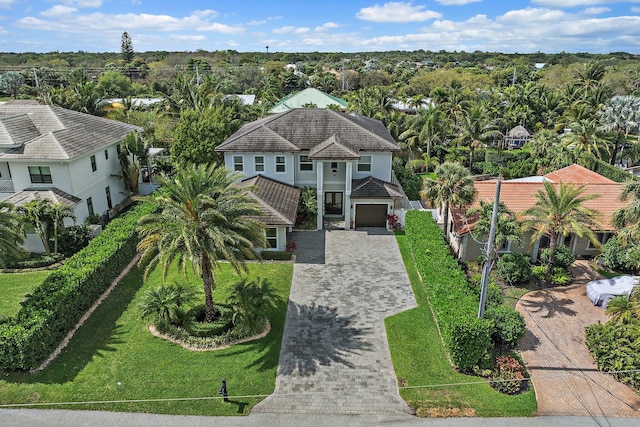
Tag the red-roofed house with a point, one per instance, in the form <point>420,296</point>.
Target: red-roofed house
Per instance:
<point>519,195</point>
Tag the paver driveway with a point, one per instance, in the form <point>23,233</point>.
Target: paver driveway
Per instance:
<point>566,379</point>
<point>334,357</point>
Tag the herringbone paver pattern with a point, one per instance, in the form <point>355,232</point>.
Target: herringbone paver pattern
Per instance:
<point>566,379</point>
<point>335,358</point>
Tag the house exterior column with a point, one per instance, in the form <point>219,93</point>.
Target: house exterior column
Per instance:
<point>320,191</point>
<point>347,195</point>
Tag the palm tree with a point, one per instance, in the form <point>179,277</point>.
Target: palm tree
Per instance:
<point>620,115</point>
<point>475,128</point>
<point>251,302</point>
<point>586,137</point>
<point>627,220</point>
<point>203,219</point>
<point>452,186</point>
<point>623,309</point>
<point>57,213</point>
<point>560,212</point>
<point>507,225</point>
<point>167,302</point>
<point>36,213</point>
<point>11,236</point>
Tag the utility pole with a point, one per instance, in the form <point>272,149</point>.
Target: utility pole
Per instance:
<point>489,257</point>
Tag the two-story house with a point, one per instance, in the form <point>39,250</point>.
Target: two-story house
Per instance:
<point>61,155</point>
<point>346,157</point>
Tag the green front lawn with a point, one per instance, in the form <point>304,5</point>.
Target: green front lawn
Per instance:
<point>13,288</point>
<point>420,359</point>
<point>114,357</point>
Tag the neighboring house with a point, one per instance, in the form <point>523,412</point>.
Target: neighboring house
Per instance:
<point>519,195</point>
<point>53,153</point>
<point>346,157</point>
<point>309,96</point>
<point>515,138</point>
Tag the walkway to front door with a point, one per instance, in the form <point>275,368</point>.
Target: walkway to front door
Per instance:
<point>335,358</point>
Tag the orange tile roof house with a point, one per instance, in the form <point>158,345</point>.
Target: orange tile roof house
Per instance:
<point>519,195</point>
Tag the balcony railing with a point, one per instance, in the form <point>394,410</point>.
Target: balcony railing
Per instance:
<point>6,186</point>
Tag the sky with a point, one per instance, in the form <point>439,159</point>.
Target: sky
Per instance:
<point>508,26</point>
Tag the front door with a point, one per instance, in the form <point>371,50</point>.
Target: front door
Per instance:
<point>332,203</point>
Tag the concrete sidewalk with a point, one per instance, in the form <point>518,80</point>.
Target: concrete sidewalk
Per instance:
<point>335,357</point>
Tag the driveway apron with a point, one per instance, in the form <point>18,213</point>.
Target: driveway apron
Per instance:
<point>334,357</point>
<point>566,379</point>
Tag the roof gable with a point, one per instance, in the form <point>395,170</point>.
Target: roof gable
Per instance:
<point>374,188</point>
<point>54,133</point>
<point>577,174</point>
<point>332,149</point>
<point>305,97</point>
<point>277,201</point>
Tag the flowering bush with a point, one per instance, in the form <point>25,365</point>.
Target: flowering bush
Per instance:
<point>392,219</point>
<point>508,376</point>
<point>291,246</point>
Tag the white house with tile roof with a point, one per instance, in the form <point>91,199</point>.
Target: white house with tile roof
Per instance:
<point>52,153</point>
<point>346,157</point>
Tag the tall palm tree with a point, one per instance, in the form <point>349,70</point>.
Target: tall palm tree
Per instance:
<point>57,213</point>
<point>627,219</point>
<point>560,212</point>
<point>475,128</point>
<point>36,213</point>
<point>203,219</point>
<point>586,137</point>
<point>11,236</point>
<point>621,115</point>
<point>451,186</point>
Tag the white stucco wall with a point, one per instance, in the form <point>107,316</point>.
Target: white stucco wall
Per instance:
<point>288,177</point>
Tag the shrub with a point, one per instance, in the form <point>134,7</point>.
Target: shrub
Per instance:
<point>614,347</point>
<point>276,255</point>
<point>37,261</point>
<point>509,325</point>
<point>73,239</point>
<point>251,302</point>
<point>410,182</point>
<point>508,375</point>
<point>615,257</point>
<point>514,268</point>
<point>56,305</point>
<point>166,303</point>
<point>453,302</point>
<point>560,276</point>
<point>564,257</point>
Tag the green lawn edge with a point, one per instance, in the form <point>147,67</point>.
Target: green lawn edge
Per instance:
<point>114,357</point>
<point>419,360</point>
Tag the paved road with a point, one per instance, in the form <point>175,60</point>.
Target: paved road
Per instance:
<point>566,379</point>
<point>335,357</point>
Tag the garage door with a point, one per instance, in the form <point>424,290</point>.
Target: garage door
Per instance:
<point>371,215</point>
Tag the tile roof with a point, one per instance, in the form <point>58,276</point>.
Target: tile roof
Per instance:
<point>303,129</point>
<point>374,188</point>
<point>519,196</point>
<point>54,133</point>
<point>53,194</point>
<point>278,201</point>
<point>307,96</point>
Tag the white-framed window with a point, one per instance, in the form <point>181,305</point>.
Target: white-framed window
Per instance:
<point>106,154</point>
<point>258,162</point>
<point>272,237</point>
<point>505,248</point>
<point>94,164</point>
<point>40,175</point>
<point>90,206</point>
<point>364,164</point>
<point>306,165</point>
<point>238,163</point>
<point>280,164</point>
<point>602,238</point>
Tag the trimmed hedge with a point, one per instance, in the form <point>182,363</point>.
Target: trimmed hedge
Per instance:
<point>55,306</point>
<point>276,255</point>
<point>455,305</point>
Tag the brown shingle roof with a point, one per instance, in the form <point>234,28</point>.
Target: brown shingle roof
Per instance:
<point>306,128</point>
<point>332,149</point>
<point>52,194</point>
<point>278,201</point>
<point>54,133</point>
<point>374,188</point>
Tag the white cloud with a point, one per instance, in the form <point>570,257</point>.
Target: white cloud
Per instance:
<point>58,10</point>
<point>284,30</point>
<point>456,2</point>
<point>596,10</point>
<point>326,26</point>
<point>574,3</point>
<point>199,20</point>
<point>5,4</point>
<point>301,30</point>
<point>83,3</point>
<point>396,12</point>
